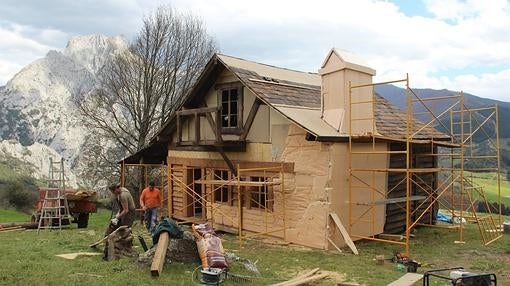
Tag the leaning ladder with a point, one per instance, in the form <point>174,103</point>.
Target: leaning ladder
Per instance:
<point>55,207</point>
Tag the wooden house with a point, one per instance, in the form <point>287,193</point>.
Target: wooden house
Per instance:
<point>256,149</point>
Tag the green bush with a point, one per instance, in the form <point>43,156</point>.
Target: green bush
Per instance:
<point>19,194</point>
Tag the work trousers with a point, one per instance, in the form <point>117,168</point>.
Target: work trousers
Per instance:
<point>151,215</point>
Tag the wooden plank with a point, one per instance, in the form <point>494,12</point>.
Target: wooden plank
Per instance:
<point>407,280</point>
<point>201,110</point>
<point>394,200</point>
<point>344,233</point>
<point>159,257</point>
<point>288,167</point>
<point>307,274</point>
<point>333,243</point>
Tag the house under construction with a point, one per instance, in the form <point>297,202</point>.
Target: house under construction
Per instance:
<point>319,160</point>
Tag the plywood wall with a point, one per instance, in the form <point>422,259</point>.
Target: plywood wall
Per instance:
<point>307,205</point>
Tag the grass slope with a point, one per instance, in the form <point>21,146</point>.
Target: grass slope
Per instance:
<point>29,258</point>
<point>10,215</point>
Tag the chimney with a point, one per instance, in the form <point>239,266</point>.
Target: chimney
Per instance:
<point>338,69</point>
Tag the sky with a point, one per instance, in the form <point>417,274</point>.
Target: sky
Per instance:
<point>441,44</point>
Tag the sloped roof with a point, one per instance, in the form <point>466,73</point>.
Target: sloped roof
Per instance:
<point>297,96</point>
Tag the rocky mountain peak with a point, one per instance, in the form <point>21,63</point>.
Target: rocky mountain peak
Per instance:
<point>91,51</point>
<point>37,104</point>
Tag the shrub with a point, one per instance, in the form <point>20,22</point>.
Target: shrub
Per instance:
<point>19,194</point>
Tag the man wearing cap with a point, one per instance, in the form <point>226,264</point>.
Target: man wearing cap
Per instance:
<point>126,214</point>
<point>150,201</point>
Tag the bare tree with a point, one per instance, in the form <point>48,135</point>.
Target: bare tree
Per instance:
<point>140,88</point>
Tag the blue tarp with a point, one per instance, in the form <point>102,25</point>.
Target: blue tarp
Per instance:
<point>444,217</point>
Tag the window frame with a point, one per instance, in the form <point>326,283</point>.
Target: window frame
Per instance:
<point>259,192</point>
<point>238,128</point>
<point>222,194</point>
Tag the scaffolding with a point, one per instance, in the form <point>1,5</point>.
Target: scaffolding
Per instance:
<point>427,171</point>
<point>136,177</point>
<point>229,201</point>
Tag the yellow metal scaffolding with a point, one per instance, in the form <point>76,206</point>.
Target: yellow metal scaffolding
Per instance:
<point>259,188</point>
<point>417,167</point>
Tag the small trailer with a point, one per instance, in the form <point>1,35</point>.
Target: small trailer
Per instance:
<point>81,204</point>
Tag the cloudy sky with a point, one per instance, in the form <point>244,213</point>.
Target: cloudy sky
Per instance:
<point>453,44</point>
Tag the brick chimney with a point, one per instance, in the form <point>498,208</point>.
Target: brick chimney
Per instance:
<point>338,69</point>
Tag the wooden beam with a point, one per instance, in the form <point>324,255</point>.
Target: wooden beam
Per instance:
<point>344,233</point>
<point>178,123</point>
<point>227,160</point>
<point>249,120</point>
<point>201,110</point>
<point>288,167</point>
<point>197,128</point>
<point>210,146</point>
<point>159,257</point>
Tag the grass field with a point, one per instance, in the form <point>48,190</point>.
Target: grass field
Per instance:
<point>489,182</point>
<point>29,258</point>
<point>10,215</point>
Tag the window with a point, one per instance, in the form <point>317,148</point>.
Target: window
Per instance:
<point>260,196</point>
<point>231,102</point>
<point>222,193</point>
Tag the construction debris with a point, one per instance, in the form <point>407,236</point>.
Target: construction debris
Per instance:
<point>407,280</point>
<point>72,256</point>
<point>179,250</point>
<point>308,277</point>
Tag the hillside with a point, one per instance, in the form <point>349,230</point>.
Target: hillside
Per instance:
<point>396,95</point>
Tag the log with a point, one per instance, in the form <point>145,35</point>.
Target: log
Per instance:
<point>13,229</point>
<point>159,257</point>
<point>111,248</point>
<point>27,225</point>
<point>9,228</point>
<point>106,237</point>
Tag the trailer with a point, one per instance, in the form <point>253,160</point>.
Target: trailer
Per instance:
<point>81,204</point>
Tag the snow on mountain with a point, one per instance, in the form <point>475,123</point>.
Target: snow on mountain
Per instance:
<point>38,157</point>
<point>37,104</point>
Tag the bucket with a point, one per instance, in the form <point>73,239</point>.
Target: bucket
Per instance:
<point>379,259</point>
<point>506,227</point>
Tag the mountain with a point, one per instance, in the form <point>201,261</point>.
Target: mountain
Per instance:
<point>38,117</point>
<point>37,104</point>
<point>35,158</point>
<point>396,96</point>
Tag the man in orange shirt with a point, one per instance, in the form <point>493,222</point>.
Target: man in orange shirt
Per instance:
<point>150,201</point>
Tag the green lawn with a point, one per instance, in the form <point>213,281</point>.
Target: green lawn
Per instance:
<point>9,215</point>
<point>29,258</point>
